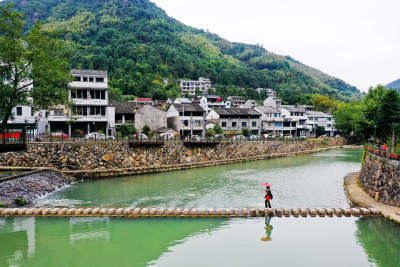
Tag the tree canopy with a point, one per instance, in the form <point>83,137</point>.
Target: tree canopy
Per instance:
<point>376,116</point>
<point>33,67</point>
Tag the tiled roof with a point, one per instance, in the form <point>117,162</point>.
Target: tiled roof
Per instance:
<point>318,113</point>
<point>193,107</point>
<point>212,96</point>
<point>237,111</point>
<point>88,72</point>
<point>123,107</point>
<point>268,109</point>
<point>293,108</point>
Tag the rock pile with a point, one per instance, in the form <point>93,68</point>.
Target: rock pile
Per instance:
<point>32,186</point>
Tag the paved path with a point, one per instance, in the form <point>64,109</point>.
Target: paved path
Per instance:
<point>359,198</point>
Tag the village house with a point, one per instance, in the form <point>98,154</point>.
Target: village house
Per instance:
<point>90,111</point>
<point>124,112</point>
<point>236,101</point>
<point>320,119</point>
<point>234,119</point>
<point>208,102</point>
<point>151,116</point>
<point>189,87</point>
<point>187,119</point>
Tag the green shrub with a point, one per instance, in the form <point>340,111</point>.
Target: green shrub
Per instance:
<point>2,205</point>
<point>19,201</point>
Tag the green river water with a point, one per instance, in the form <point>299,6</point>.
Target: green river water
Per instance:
<point>307,181</point>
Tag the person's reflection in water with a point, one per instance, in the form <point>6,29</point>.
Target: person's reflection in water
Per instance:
<point>268,229</point>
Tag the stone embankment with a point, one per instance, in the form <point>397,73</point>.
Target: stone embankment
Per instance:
<point>186,212</point>
<point>359,198</point>
<point>380,178</point>
<point>108,156</point>
<point>31,186</point>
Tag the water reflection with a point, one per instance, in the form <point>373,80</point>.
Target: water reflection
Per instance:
<point>94,241</point>
<point>380,240</point>
<point>268,229</point>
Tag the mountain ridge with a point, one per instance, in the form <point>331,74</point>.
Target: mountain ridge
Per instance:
<point>138,43</point>
<point>394,85</point>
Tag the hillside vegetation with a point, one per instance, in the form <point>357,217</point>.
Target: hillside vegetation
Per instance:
<point>139,45</point>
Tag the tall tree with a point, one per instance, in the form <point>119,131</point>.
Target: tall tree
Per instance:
<point>33,67</point>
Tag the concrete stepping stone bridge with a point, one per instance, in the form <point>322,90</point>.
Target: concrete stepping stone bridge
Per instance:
<point>186,212</point>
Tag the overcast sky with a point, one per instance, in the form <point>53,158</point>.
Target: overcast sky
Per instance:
<point>355,40</point>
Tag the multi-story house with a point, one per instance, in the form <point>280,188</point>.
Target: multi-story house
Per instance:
<point>271,121</point>
<point>187,119</point>
<point>251,103</point>
<point>317,119</point>
<point>89,112</point>
<point>268,91</point>
<point>189,87</point>
<point>236,101</point>
<point>235,119</point>
<point>295,121</point>
<point>208,102</point>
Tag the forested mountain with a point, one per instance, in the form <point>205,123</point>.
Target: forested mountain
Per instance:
<point>394,85</point>
<point>139,44</point>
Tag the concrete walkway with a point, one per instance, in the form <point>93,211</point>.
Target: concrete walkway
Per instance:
<point>359,198</point>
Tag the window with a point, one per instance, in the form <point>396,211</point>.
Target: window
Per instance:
<point>97,111</point>
<point>58,112</point>
<point>76,111</point>
<point>277,115</point>
<point>19,111</point>
<point>79,94</point>
<point>329,119</point>
<point>278,124</point>
<point>197,123</point>
<point>99,80</point>
<point>90,79</point>
<point>97,94</point>
<point>234,124</point>
<point>244,124</point>
<point>329,125</point>
<point>223,124</point>
<point>186,123</point>
<point>254,124</point>
<point>85,79</point>
<point>32,112</point>
<point>77,79</point>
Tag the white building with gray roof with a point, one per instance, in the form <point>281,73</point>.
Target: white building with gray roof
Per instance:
<point>88,93</point>
<point>235,119</point>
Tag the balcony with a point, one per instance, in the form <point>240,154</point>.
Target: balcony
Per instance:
<point>127,122</point>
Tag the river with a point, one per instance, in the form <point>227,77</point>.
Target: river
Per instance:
<point>305,181</point>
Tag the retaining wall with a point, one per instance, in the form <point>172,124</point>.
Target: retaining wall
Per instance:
<point>117,155</point>
<point>380,178</point>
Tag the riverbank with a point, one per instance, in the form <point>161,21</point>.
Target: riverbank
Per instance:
<point>359,198</point>
<point>89,156</point>
<point>30,187</point>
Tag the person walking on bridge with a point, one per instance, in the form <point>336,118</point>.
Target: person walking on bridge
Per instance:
<point>268,195</point>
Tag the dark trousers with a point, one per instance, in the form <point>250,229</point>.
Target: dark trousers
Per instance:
<point>267,204</point>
